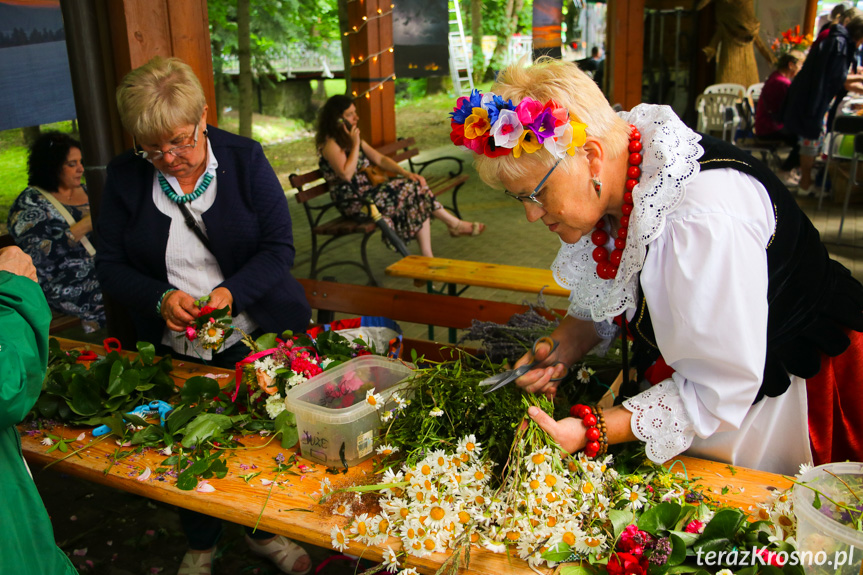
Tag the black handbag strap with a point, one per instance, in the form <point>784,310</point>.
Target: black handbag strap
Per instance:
<point>192,223</point>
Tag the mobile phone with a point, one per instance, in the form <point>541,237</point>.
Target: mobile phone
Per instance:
<point>347,124</point>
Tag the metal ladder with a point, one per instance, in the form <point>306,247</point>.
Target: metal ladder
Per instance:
<point>459,54</point>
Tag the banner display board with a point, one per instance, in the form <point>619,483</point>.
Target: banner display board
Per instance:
<point>35,83</point>
<point>421,38</point>
<point>547,19</point>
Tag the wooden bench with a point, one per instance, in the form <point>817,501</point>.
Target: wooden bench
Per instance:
<point>408,306</point>
<point>59,322</point>
<point>467,273</point>
<point>325,220</point>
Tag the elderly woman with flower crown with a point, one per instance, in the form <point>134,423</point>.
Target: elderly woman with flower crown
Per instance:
<point>194,213</point>
<point>743,327</point>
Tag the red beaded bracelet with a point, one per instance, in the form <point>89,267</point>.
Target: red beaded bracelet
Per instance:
<point>597,433</point>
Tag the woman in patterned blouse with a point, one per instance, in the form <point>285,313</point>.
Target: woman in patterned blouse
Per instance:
<point>59,249</point>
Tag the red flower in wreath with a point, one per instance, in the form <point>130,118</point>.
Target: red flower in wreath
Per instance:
<point>626,564</point>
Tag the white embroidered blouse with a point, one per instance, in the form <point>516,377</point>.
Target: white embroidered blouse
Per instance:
<point>705,281</point>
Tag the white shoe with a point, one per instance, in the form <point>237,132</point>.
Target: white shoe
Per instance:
<point>196,563</point>
<point>283,552</point>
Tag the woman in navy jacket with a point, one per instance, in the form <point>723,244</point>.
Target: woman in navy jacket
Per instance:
<point>192,211</point>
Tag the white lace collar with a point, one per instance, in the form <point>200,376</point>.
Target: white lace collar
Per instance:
<point>671,153</point>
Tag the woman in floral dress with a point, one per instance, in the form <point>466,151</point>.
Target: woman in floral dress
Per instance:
<point>65,267</point>
<point>406,202</point>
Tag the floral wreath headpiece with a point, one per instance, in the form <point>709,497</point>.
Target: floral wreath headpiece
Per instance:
<point>492,126</point>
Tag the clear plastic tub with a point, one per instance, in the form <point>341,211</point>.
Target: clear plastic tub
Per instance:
<point>337,426</point>
<point>824,544</point>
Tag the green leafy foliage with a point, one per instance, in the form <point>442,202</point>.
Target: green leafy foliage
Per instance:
<point>74,394</point>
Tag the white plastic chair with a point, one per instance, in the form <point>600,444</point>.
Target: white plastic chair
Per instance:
<point>718,112</point>
<point>738,90</point>
<point>753,93</point>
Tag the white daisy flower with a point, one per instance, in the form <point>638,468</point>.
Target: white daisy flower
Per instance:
<point>436,412</point>
<point>326,487</point>
<point>274,405</point>
<point>408,571</point>
<point>592,543</point>
<point>494,546</point>
<point>325,363</point>
<point>339,539</point>
<point>539,460</point>
<point>374,399</point>
<point>401,402</point>
<point>211,334</point>
<point>387,416</point>
<point>633,497</point>
<point>386,450</point>
<point>469,445</point>
<point>342,509</point>
<point>48,441</point>
<point>360,528</point>
<point>804,468</point>
<point>391,560</point>
<point>725,572</point>
<point>584,374</point>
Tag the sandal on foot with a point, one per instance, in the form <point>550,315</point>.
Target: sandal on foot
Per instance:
<point>476,229</point>
<point>283,552</point>
<point>196,563</point>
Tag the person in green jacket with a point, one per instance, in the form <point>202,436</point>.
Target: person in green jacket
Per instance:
<point>27,546</point>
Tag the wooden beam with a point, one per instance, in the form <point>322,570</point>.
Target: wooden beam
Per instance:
<point>810,16</point>
<point>370,36</point>
<point>625,59</point>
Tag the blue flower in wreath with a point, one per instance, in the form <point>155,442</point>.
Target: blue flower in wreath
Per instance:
<point>496,105</point>
<point>464,107</point>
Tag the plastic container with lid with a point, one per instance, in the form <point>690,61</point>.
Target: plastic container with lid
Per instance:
<point>336,425</point>
<point>820,536</point>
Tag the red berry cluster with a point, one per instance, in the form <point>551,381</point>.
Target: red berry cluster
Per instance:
<point>607,264</point>
<point>597,434</point>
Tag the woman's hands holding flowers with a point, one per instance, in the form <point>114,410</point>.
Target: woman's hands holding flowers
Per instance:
<point>179,310</point>
<point>569,432</point>
<point>221,297</point>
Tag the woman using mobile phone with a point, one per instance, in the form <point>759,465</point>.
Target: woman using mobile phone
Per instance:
<point>405,201</point>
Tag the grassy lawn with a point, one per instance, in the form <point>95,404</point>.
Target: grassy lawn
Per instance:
<point>288,143</point>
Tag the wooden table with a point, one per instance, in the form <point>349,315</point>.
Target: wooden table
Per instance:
<point>292,509</point>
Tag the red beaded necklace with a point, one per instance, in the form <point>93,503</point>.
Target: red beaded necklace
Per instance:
<point>607,264</point>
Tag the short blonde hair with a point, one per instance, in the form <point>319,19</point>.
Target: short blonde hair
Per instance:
<point>157,98</point>
<point>565,83</point>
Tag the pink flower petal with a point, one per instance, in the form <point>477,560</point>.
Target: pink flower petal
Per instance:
<point>204,487</point>
<point>81,436</point>
<point>266,481</point>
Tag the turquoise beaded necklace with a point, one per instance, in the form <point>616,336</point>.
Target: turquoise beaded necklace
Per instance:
<point>185,198</point>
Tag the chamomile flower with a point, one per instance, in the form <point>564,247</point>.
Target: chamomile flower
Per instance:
<point>469,445</point>
<point>386,450</point>
<point>633,497</point>
<point>386,416</point>
<point>440,514</point>
<point>584,374</point>
<point>590,544</point>
<point>343,509</point>
<point>391,560</point>
<point>212,334</point>
<point>360,528</point>
<point>539,460</point>
<point>401,402</point>
<point>374,399</point>
<point>48,441</point>
<point>408,571</point>
<point>494,546</point>
<point>436,412</point>
<point>339,539</point>
<point>439,461</point>
<point>326,487</point>
<point>804,468</point>
<point>274,405</point>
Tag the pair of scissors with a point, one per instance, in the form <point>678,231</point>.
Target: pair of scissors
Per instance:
<point>495,382</point>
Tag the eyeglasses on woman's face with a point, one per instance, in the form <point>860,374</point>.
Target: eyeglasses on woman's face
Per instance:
<point>531,198</point>
<point>180,151</point>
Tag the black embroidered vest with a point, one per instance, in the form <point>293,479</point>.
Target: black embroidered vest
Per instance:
<point>812,298</point>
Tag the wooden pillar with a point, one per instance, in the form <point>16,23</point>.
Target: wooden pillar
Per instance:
<point>810,16</point>
<point>142,29</point>
<point>625,58</point>
<point>370,35</point>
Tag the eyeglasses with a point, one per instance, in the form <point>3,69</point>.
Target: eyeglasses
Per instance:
<point>159,154</point>
<point>532,197</point>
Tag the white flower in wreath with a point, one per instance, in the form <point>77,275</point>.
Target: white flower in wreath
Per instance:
<point>274,405</point>
<point>212,334</point>
<point>266,365</point>
<point>584,374</point>
<point>295,379</point>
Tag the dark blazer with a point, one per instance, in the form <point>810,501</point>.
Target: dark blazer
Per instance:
<point>821,78</point>
<point>249,227</point>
